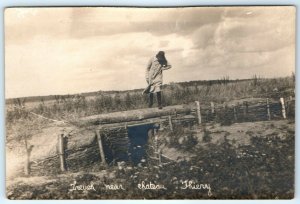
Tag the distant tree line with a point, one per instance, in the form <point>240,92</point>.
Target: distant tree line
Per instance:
<point>219,91</point>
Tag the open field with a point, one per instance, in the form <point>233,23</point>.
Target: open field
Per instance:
<point>239,157</point>
<point>218,91</point>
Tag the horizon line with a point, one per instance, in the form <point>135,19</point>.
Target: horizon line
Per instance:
<point>258,77</point>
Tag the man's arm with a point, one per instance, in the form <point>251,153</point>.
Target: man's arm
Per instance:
<point>166,67</point>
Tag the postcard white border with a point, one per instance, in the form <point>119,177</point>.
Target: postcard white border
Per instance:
<point>141,3</point>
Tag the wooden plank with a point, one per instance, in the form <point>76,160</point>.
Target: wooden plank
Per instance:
<point>133,115</point>
<point>130,124</point>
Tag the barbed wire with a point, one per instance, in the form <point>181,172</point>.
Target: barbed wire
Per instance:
<point>41,116</point>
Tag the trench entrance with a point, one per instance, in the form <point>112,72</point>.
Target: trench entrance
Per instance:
<point>138,137</point>
<point>127,145</point>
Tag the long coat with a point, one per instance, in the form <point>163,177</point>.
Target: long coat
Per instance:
<point>154,75</point>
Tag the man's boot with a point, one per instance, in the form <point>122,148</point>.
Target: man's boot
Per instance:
<point>159,100</point>
<point>150,100</point>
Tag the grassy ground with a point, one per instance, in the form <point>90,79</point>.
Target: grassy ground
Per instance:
<point>238,160</point>
<point>243,160</point>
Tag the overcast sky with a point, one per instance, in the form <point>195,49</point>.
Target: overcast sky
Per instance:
<point>74,50</point>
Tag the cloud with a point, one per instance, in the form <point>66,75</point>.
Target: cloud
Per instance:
<point>23,24</point>
<point>264,31</point>
<point>156,21</point>
<point>72,50</point>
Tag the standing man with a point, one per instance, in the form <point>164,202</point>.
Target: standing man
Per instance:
<point>154,76</point>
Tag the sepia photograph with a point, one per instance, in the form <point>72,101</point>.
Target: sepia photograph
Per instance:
<point>150,103</point>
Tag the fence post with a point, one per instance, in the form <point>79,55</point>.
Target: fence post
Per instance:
<point>283,108</point>
<point>100,145</point>
<point>212,105</point>
<point>245,109</point>
<point>61,152</point>
<point>159,157</point>
<point>170,123</point>
<point>224,105</point>
<point>268,109</point>
<point>155,143</point>
<point>198,112</point>
<point>27,161</point>
<point>288,105</point>
<point>234,113</point>
<point>151,141</point>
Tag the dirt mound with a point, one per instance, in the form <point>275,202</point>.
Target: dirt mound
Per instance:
<point>44,146</point>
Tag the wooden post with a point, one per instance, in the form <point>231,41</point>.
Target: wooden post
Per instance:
<point>170,123</point>
<point>159,157</point>
<point>99,139</point>
<point>155,140</point>
<point>150,142</point>
<point>155,131</point>
<point>212,105</point>
<point>27,160</point>
<point>150,133</point>
<point>161,126</point>
<point>198,112</point>
<point>128,144</point>
<point>245,109</point>
<point>283,108</point>
<point>288,105</point>
<point>190,126</point>
<point>61,152</point>
<point>268,109</point>
<point>234,113</point>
